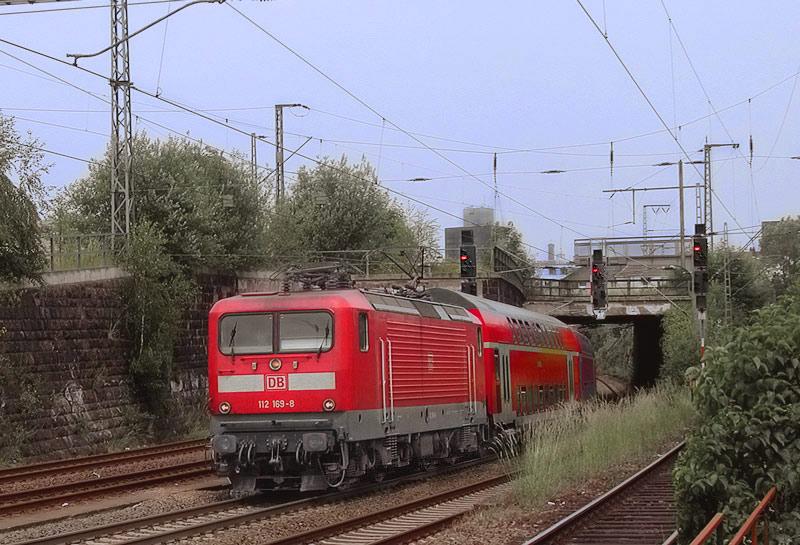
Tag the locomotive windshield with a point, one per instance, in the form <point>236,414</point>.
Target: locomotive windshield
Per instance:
<point>305,331</point>
<point>245,334</point>
<point>258,334</point>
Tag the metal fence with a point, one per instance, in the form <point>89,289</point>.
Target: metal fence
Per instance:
<point>73,252</point>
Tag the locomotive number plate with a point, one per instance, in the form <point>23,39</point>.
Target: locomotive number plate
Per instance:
<point>276,382</point>
<point>276,404</point>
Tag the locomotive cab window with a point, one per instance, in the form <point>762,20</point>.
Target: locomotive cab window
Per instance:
<point>363,332</point>
<point>305,331</point>
<point>480,342</point>
<point>245,334</point>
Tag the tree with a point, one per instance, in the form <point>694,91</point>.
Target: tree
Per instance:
<point>780,248</point>
<point>208,209</point>
<point>750,286</point>
<point>679,343</point>
<point>510,239</point>
<point>155,297</point>
<point>338,206</point>
<point>748,434</point>
<point>21,190</point>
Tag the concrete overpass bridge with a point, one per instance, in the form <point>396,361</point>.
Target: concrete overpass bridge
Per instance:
<point>646,276</point>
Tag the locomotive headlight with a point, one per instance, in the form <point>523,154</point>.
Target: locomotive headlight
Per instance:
<point>328,405</point>
<point>275,364</point>
<point>224,407</point>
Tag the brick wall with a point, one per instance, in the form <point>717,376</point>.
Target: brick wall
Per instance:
<point>66,359</point>
<point>66,353</point>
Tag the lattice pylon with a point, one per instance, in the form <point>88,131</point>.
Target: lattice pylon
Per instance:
<point>121,131</point>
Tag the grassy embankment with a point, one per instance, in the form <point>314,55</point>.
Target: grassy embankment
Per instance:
<point>585,441</point>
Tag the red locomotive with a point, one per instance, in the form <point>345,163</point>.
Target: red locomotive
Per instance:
<point>314,389</point>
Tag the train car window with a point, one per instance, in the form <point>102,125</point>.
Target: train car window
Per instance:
<point>363,332</point>
<point>245,334</point>
<point>305,332</point>
<point>458,313</point>
<point>480,341</point>
<point>440,311</point>
<point>426,309</point>
<point>391,304</point>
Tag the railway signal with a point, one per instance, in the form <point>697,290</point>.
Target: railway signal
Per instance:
<point>700,261</point>
<point>468,262</point>
<point>599,285</point>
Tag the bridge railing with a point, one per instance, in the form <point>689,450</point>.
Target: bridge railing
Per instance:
<point>618,289</point>
<point>73,252</point>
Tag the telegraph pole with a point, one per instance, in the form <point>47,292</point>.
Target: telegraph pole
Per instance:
<point>280,184</point>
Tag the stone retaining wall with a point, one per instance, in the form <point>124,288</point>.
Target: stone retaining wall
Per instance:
<point>64,386</point>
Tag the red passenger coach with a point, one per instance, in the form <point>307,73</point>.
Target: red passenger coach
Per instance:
<point>315,389</point>
<point>533,362</point>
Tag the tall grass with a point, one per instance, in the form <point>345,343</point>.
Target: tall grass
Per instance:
<point>584,441</point>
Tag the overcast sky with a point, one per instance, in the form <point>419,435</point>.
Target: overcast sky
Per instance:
<point>482,76</point>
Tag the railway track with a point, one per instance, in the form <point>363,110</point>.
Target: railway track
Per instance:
<point>403,523</point>
<point>639,510</point>
<point>213,517</point>
<point>55,467</point>
<point>70,492</point>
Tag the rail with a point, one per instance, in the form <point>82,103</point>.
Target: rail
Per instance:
<point>592,510</point>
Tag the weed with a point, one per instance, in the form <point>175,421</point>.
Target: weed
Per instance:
<point>583,441</point>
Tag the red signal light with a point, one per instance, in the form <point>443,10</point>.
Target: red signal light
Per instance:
<point>464,257</point>
<point>697,248</point>
<point>595,269</point>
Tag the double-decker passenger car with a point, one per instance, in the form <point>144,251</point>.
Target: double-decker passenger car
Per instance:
<point>533,361</point>
<point>313,389</point>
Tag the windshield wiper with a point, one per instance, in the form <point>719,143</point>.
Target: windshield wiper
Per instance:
<point>233,338</point>
<point>324,340</point>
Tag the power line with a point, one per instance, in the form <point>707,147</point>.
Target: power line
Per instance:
<point>652,106</point>
<point>76,8</point>
<point>378,114</point>
<point>708,97</point>
<point>59,153</point>
<point>211,119</point>
<point>783,121</point>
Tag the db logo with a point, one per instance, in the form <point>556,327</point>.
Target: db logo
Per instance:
<point>276,382</point>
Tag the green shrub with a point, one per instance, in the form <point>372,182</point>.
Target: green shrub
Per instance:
<point>679,344</point>
<point>748,439</point>
<point>157,296</point>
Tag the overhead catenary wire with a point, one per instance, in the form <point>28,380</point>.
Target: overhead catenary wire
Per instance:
<point>222,123</point>
<point>378,114</point>
<point>783,122</point>
<point>652,106</point>
<point>714,110</point>
<point>80,8</point>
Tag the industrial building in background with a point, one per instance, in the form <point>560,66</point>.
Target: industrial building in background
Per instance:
<point>498,274</point>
